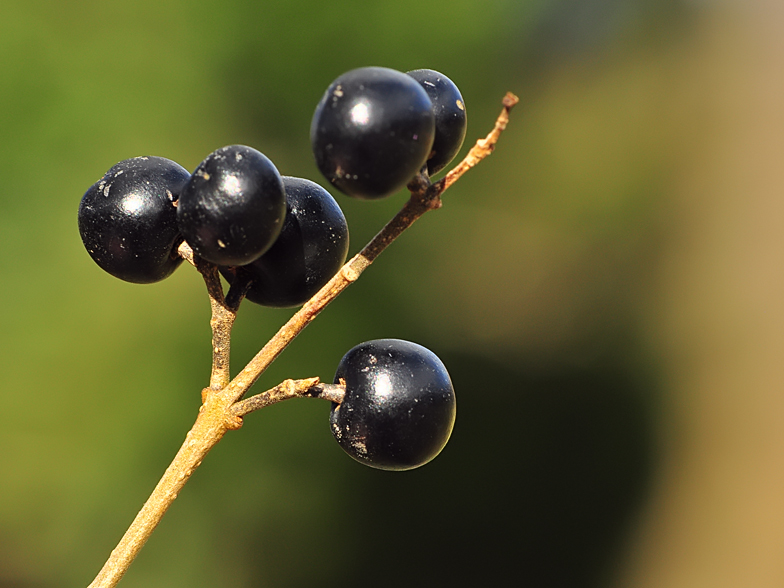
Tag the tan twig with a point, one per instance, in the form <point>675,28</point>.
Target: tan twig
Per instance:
<point>210,426</point>
<point>283,391</point>
<point>222,409</point>
<point>222,316</point>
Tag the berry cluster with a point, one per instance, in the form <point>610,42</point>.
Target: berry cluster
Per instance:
<point>235,211</point>
<point>283,238</point>
<point>375,128</point>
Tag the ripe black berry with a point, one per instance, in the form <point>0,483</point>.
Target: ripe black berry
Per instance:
<point>310,250</point>
<point>128,219</point>
<point>372,131</point>
<point>232,209</point>
<point>450,113</point>
<point>399,405</point>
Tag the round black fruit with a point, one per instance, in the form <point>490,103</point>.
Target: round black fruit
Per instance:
<point>310,249</point>
<point>372,131</point>
<point>399,405</point>
<point>232,208</point>
<point>450,113</point>
<point>128,219</point>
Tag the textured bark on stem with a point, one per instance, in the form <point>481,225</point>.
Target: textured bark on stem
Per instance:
<point>283,391</point>
<point>210,426</point>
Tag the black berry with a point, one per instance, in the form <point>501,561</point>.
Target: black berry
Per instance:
<point>372,131</point>
<point>128,219</point>
<point>232,209</point>
<point>311,248</point>
<point>399,405</point>
<point>450,113</point>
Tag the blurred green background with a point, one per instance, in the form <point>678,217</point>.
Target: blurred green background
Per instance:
<point>605,290</point>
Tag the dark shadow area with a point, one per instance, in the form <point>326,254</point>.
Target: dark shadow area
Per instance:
<point>537,487</point>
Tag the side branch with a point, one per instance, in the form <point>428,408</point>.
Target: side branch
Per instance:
<point>223,313</point>
<point>283,391</point>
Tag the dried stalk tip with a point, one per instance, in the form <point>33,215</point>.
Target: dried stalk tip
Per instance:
<point>185,251</point>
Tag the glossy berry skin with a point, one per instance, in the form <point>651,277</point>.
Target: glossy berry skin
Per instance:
<point>450,114</point>
<point>372,131</point>
<point>399,405</point>
<point>311,248</point>
<point>128,219</point>
<point>232,208</point>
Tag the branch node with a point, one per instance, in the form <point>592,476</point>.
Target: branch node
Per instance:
<point>349,273</point>
<point>232,422</point>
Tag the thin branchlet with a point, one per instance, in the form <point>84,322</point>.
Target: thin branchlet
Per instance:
<point>224,312</point>
<point>307,388</point>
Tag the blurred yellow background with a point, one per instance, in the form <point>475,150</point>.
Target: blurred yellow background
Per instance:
<point>607,291</point>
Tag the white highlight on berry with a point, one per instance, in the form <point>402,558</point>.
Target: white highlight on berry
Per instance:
<point>383,385</point>
<point>360,113</point>
<point>232,184</point>
<point>133,204</point>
